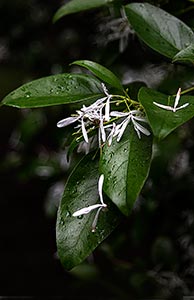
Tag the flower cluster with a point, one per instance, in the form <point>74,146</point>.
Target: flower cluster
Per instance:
<point>91,116</point>
<point>99,115</point>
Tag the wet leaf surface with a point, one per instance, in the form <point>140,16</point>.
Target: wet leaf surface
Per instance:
<point>75,239</point>
<point>55,90</point>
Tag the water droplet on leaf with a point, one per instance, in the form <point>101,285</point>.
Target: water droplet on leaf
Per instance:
<point>74,191</point>
<point>28,94</point>
<point>111,154</point>
<point>61,222</point>
<point>68,214</point>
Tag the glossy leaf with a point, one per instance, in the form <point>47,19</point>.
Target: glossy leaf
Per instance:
<point>75,6</point>
<point>55,90</point>
<point>163,121</point>
<point>158,29</point>
<point>101,72</point>
<point>75,240</point>
<point>186,54</point>
<point>125,165</point>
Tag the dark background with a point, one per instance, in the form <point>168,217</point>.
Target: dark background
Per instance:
<point>149,255</point>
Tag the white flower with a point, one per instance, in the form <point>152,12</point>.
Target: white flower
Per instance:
<point>100,206</point>
<point>91,115</point>
<point>116,29</point>
<point>134,116</point>
<point>174,108</point>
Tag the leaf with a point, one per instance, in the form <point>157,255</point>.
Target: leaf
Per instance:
<point>125,165</point>
<point>75,240</point>
<point>158,29</point>
<point>101,72</point>
<point>76,6</point>
<point>55,90</point>
<point>162,121</point>
<point>186,54</point>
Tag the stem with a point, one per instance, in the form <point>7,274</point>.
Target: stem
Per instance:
<point>187,90</point>
<point>185,10</point>
<point>128,99</point>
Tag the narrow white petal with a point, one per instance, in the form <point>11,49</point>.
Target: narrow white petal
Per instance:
<point>100,185</point>
<point>84,132</point>
<point>96,104</point>
<point>104,89</point>
<point>109,139</point>
<point>141,128</point>
<point>111,134</point>
<point>164,106</point>
<point>118,114</point>
<point>123,43</point>
<point>86,210</point>
<point>136,112</point>
<point>94,223</point>
<point>176,102</point>
<point>182,106</point>
<point>102,130</point>
<point>108,126</point>
<point>107,110</point>
<point>137,130</point>
<point>141,119</point>
<point>99,138</point>
<point>67,121</point>
<point>124,126</point>
<point>118,128</point>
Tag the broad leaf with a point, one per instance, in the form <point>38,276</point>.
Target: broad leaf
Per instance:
<point>75,240</point>
<point>55,90</point>
<point>163,121</point>
<point>101,72</point>
<point>186,54</point>
<point>75,6</point>
<point>158,29</point>
<point>125,165</point>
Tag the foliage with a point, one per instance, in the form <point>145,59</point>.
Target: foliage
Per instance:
<point>116,129</point>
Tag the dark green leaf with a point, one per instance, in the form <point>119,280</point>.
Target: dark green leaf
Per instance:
<point>74,143</point>
<point>163,121</point>
<point>186,54</point>
<point>55,90</point>
<point>158,29</point>
<point>101,72</point>
<point>75,6</point>
<point>125,165</point>
<point>75,240</point>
